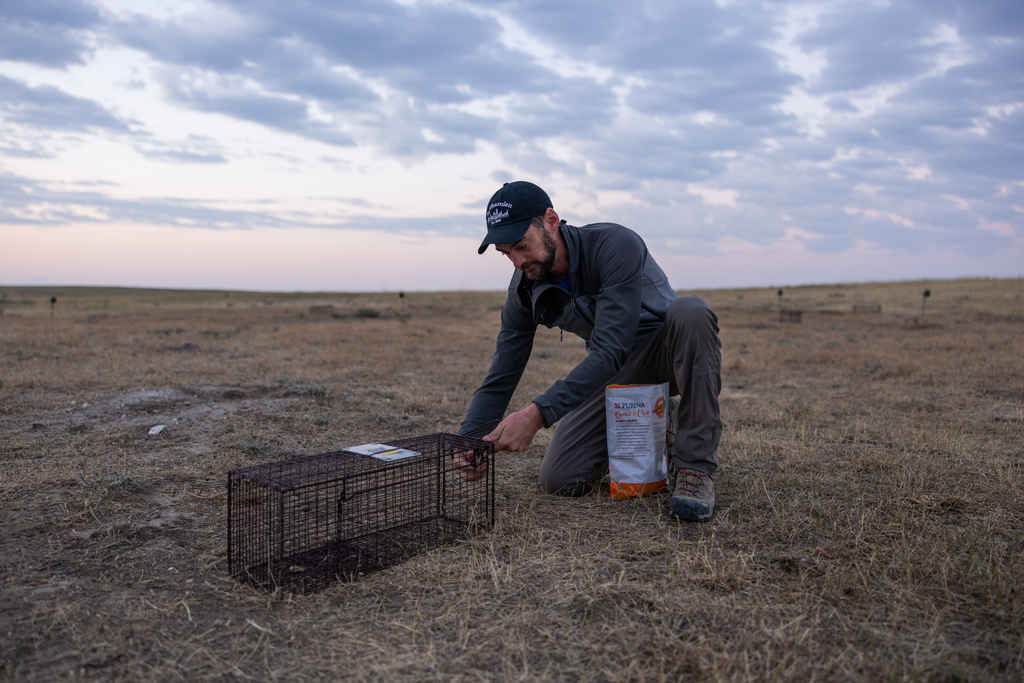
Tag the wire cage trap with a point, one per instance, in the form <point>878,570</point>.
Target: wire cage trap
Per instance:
<point>304,523</point>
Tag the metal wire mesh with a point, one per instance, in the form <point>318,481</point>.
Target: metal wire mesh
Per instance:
<point>302,524</point>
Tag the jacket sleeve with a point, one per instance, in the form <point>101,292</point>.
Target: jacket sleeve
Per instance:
<point>512,351</point>
<point>614,266</point>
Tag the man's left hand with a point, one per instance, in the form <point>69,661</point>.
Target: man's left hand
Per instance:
<point>467,468</point>
<point>515,433</point>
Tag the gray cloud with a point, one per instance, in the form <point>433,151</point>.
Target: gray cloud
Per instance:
<point>430,56</point>
<point>27,202</point>
<point>426,49</point>
<point>186,157</point>
<point>47,32</point>
<point>235,99</point>
<point>866,44</point>
<point>649,98</point>
<point>24,201</point>
<point>194,149</point>
<point>995,18</point>
<point>47,108</point>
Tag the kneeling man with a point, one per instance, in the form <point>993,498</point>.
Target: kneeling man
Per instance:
<point>600,283</point>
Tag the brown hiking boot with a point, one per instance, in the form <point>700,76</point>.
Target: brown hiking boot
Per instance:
<point>693,497</point>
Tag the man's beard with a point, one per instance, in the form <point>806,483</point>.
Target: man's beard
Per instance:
<point>543,267</point>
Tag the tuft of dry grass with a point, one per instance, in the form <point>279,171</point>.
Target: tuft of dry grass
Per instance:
<point>870,523</point>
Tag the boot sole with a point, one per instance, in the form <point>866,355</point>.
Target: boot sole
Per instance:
<point>692,510</point>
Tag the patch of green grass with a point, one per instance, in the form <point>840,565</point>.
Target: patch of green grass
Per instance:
<point>110,482</point>
<point>253,444</point>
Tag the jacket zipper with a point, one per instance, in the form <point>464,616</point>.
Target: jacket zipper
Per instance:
<point>572,302</point>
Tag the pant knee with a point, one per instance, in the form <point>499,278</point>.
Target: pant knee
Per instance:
<point>691,322</point>
<point>565,484</point>
<point>689,310</point>
<point>572,489</point>
<point>561,485</point>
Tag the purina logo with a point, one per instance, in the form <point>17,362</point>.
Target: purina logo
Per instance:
<point>628,406</point>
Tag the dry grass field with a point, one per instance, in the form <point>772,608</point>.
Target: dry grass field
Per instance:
<point>869,525</point>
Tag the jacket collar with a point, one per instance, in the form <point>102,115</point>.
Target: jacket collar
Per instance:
<point>571,237</point>
<point>530,290</point>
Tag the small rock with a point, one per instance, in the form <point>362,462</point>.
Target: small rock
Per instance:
<point>190,347</point>
<point>157,429</point>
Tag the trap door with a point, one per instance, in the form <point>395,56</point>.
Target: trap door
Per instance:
<point>392,512</point>
<point>308,527</point>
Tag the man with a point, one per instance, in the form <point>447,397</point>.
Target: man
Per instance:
<point>600,283</point>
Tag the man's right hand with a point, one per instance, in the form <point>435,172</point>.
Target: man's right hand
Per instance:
<point>515,433</point>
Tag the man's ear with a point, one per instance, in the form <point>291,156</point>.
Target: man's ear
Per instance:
<point>551,221</point>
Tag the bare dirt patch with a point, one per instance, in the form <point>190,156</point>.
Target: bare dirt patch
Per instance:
<point>869,519</point>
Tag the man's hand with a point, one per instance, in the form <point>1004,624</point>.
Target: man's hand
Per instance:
<point>515,433</point>
<point>467,469</point>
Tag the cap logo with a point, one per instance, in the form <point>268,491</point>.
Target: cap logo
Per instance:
<point>495,214</point>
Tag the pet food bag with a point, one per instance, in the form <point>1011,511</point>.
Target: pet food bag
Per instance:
<point>635,416</point>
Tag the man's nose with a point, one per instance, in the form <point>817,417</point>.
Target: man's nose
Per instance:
<point>518,260</point>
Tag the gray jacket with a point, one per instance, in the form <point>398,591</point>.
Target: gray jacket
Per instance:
<point>618,296</point>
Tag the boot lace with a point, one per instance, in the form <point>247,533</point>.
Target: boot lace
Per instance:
<point>690,483</point>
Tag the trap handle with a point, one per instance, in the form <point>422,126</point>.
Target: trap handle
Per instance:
<point>483,430</point>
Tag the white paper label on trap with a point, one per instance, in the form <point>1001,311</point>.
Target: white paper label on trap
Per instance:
<point>382,451</point>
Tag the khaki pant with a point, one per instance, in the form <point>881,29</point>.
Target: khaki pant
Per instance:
<point>687,354</point>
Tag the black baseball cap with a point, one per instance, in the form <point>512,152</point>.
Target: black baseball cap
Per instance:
<point>510,211</point>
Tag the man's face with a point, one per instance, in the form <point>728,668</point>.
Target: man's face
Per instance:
<point>534,254</point>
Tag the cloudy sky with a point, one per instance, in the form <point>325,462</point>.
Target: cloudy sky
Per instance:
<point>352,144</point>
